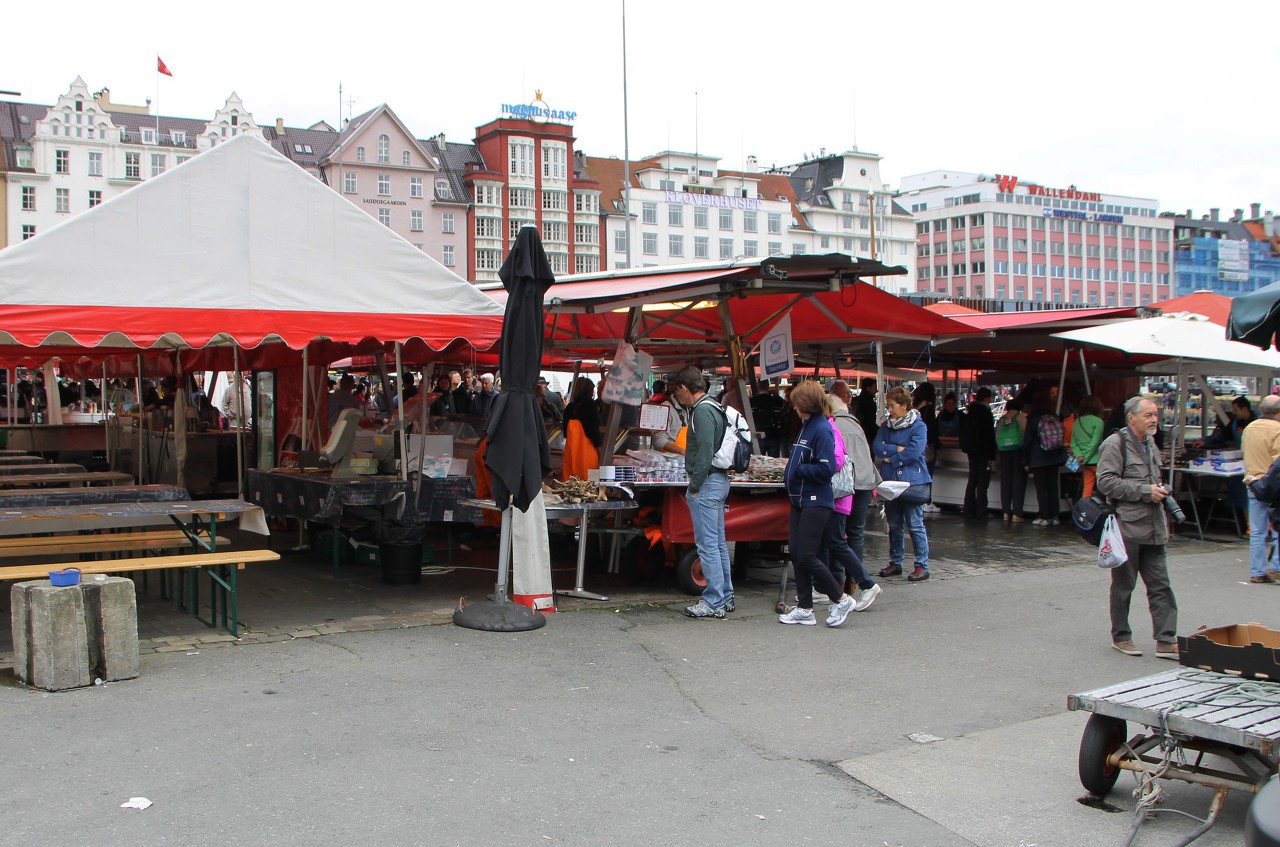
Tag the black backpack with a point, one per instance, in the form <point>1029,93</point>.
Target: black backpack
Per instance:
<point>1089,514</point>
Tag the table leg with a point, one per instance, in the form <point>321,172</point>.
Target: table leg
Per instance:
<point>578,590</point>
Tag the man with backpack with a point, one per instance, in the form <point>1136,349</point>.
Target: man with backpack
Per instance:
<point>1044,451</point>
<point>708,490</point>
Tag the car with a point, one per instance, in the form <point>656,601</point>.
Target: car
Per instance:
<point>1160,386</point>
<point>1230,387</point>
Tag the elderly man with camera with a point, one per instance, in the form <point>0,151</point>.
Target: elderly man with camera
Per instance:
<point>1129,476</point>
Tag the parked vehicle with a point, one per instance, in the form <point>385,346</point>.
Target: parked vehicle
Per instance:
<point>1160,386</point>
<point>1231,387</point>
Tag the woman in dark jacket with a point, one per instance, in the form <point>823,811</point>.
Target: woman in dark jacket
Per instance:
<point>1043,461</point>
<point>925,401</point>
<point>583,409</point>
<point>808,480</point>
<point>900,448</point>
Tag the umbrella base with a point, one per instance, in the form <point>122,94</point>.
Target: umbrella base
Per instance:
<point>499,617</point>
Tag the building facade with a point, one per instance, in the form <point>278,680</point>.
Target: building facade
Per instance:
<point>847,209</point>
<point>526,173</point>
<point>1005,238</point>
<point>1229,257</point>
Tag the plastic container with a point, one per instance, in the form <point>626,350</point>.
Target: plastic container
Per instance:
<point>401,563</point>
<point>64,578</point>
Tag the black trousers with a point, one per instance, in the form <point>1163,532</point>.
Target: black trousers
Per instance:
<point>975,490</point>
<point>1046,490</point>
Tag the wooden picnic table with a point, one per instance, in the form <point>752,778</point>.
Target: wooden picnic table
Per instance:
<point>65,478</point>
<point>20,460</point>
<point>41,468</point>
<point>80,495</point>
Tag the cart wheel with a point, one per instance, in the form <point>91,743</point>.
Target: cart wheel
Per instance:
<point>689,572</point>
<point>1102,736</point>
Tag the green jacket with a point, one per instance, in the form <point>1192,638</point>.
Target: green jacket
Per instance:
<point>706,431</point>
<point>1086,438</point>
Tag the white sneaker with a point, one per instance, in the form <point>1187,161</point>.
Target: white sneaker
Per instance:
<point>863,599</point>
<point>840,611</point>
<point>931,509</point>
<point>804,617</point>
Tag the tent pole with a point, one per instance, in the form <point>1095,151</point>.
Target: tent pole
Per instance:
<point>237,383</point>
<point>504,556</point>
<point>1084,372</point>
<point>1062,380</point>
<point>401,443</point>
<point>738,369</point>
<point>305,380</point>
<point>180,426</point>
<point>879,380</point>
<point>139,415</point>
<point>102,407</point>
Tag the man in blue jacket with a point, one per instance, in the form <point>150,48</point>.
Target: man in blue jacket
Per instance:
<point>708,491</point>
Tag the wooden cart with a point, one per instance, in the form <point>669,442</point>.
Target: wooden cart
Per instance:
<point>1201,727</point>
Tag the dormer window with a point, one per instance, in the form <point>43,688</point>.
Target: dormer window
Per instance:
<point>178,136</point>
<point>442,189</point>
<point>235,119</point>
<point>148,136</point>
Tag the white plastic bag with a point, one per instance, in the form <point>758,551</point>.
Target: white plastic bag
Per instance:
<point>1111,552</point>
<point>626,380</point>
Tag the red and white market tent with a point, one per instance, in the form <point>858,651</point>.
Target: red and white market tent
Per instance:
<point>236,247</point>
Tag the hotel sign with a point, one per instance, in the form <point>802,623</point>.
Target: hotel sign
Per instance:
<point>538,111</point>
<point>688,199</point>
<point>1008,183</point>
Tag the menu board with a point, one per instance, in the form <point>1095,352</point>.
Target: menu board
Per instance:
<point>654,418</point>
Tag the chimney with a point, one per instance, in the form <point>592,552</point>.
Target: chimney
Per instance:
<point>440,140</point>
<point>1213,213</point>
<point>1189,215</point>
<point>1238,216</point>
<point>280,127</point>
<point>1255,210</point>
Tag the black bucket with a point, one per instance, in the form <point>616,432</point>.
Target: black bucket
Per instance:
<point>401,563</point>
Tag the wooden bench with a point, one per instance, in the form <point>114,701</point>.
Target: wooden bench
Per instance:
<point>220,567</point>
<point>60,545</point>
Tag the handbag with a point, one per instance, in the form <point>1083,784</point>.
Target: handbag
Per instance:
<point>842,482</point>
<point>1089,516</point>
<point>917,495</point>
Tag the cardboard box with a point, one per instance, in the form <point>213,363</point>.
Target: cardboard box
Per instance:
<point>1248,650</point>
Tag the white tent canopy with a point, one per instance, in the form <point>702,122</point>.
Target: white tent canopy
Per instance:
<point>1182,338</point>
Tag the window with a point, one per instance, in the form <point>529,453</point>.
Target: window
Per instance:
<point>1093,251</point>
<point>586,234</point>
<point>940,225</point>
<point>1113,252</point>
<point>1020,269</point>
<point>1075,250</point>
<point>775,223</point>
<point>649,243</point>
<point>446,222</point>
<point>1163,279</point>
<point>1127,254</point>
<point>1020,222</point>
<point>999,242</point>
<point>179,138</point>
<point>62,197</point>
<point>726,248</point>
<point>28,231</point>
<point>979,267</point>
<point>553,161</point>
<point>384,217</point>
<point>848,244</point>
<point>675,214</point>
<point>1144,232</point>
<point>700,217</point>
<point>555,231</point>
<point>415,186</point>
<point>95,164</point>
<point>923,271</point>
<point>749,222</point>
<point>348,182</point>
<point>62,161</point>
<point>1091,228</point>
<point>446,256</point>
<point>846,222</point>
<point>726,219</point>
<point>959,269</point>
<point>487,260</point>
<point>384,185</point>
<point>585,263</point>
<point>585,201</point>
<point>28,198</point>
<point>157,164</point>
<point>149,136</point>
<point>1075,272</point>
<point>1094,274</point>
<point>415,220</point>
<point>751,248</point>
<point>1000,267</point>
<point>1109,229</point>
<point>520,157</point>
<point>1038,246</point>
<point>384,149</point>
<point>95,198</point>
<point>404,157</point>
<point>487,195</point>
<point>555,201</point>
<point>1058,271</point>
<point>1039,269</point>
<point>922,228</point>
<point>675,245</point>
<point>487,228</point>
<point>1057,225</point>
<point>1020,245</point>
<point>359,154</point>
<point>559,262</point>
<point>520,198</point>
<point>666,185</point>
<point>923,250</point>
<point>1126,232</point>
<point>977,220</point>
<point>1162,256</point>
<point>701,247</point>
<point>958,222</point>
<point>940,271</point>
<point>958,245</point>
<point>1057,248</point>
<point>619,241</point>
<point>178,160</point>
<point>133,165</point>
<point>977,243</point>
<point>1144,255</point>
<point>1127,276</point>
<point>1000,219</point>
<point>1111,275</point>
<point>1145,277</point>
<point>648,213</point>
<point>1037,224</point>
<point>939,248</point>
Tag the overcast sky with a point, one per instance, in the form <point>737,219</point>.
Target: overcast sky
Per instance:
<point>1172,100</point>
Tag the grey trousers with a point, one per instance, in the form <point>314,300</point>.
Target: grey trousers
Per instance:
<point>1149,561</point>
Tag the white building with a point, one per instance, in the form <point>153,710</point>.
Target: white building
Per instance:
<point>1003,237</point>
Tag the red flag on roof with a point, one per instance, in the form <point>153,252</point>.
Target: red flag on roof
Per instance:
<point>162,67</point>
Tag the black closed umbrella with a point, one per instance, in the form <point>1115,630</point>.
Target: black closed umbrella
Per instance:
<point>517,454</point>
<point>1255,316</point>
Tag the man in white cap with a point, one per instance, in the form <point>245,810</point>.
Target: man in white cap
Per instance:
<point>481,403</point>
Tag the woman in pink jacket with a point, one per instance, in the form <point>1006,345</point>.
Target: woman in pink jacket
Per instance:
<point>835,550</point>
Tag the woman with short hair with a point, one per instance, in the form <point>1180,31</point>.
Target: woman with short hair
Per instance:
<point>900,449</point>
<point>808,481</point>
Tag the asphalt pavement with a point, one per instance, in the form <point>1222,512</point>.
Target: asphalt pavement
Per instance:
<point>352,713</point>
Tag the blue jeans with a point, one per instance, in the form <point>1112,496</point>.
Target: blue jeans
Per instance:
<point>706,511</point>
<point>1259,529</point>
<point>855,527</point>
<point>898,514</point>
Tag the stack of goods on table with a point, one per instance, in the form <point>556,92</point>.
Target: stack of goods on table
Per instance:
<point>1222,462</point>
<point>763,469</point>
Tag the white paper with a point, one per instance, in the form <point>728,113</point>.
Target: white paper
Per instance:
<point>891,488</point>
<point>654,417</point>
<point>136,803</point>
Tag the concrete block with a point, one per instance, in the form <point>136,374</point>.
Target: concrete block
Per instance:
<point>111,622</point>
<point>51,649</point>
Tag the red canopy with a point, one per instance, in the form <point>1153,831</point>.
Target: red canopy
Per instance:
<point>1215,307</point>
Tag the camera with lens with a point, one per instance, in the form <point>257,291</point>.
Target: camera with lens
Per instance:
<point>1171,505</point>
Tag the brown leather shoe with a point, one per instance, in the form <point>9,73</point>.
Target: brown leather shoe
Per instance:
<point>1127,647</point>
<point>1261,580</point>
<point>1166,650</point>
